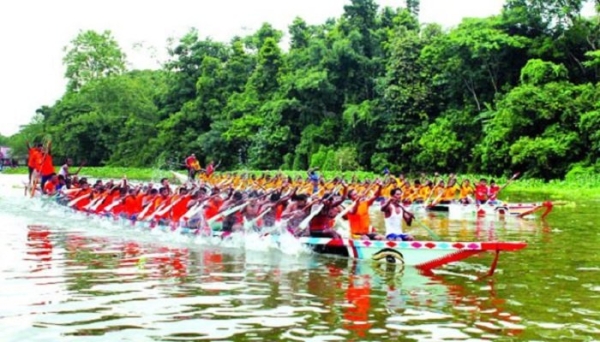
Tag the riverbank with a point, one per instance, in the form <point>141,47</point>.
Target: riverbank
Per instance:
<point>583,186</point>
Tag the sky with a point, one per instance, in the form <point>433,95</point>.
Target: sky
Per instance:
<point>33,34</point>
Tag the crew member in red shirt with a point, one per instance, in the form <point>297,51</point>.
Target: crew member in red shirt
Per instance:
<point>50,187</point>
<point>493,192</point>
<point>481,191</point>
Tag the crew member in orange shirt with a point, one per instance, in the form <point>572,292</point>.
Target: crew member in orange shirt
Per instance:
<point>35,158</point>
<point>360,222</point>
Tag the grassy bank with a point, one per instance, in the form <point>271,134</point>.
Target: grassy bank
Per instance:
<point>583,186</point>
<point>109,173</point>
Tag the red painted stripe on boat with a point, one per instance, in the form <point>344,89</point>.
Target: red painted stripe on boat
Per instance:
<point>503,246</point>
<point>454,257</point>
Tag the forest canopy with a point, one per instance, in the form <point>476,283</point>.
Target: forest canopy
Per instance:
<point>371,89</point>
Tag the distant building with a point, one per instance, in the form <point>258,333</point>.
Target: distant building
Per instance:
<point>6,158</point>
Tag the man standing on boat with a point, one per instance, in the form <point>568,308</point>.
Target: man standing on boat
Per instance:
<point>34,159</point>
<point>193,166</point>
<point>46,166</point>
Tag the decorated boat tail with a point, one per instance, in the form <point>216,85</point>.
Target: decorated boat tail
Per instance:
<point>424,255</point>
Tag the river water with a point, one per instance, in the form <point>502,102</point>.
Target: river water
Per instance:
<point>64,276</point>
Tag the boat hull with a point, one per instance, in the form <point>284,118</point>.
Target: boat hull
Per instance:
<point>422,254</point>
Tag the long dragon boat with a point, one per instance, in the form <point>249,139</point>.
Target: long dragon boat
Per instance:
<point>424,255</point>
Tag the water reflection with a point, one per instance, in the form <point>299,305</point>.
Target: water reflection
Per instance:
<point>118,288</point>
<point>484,228</point>
<point>39,248</point>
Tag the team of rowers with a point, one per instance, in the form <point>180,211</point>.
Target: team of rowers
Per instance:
<point>310,206</point>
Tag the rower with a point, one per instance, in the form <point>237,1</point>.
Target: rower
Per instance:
<point>481,192</point>
<point>296,211</point>
<point>493,191</point>
<point>51,185</point>
<point>450,191</point>
<point>360,222</point>
<point>64,169</point>
<point>234,221</point>
<point>275,205</point>
<point>252,210</point>
<point>466,191</point>
<point>62,183</point>
<point>165,185</point>
<point>181,207</point>
<point>321,225</point>
<point>393,214</point>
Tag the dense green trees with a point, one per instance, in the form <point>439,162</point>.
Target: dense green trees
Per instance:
<point>373,88</point>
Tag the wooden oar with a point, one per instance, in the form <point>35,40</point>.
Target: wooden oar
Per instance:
<point>226,213</point>
<point>196,208</point>
<point>507,183</point>
<point>251,223</point>
<point>162,212</point>
<point>160,208</point>
<point>435,201</point>
<point>114,204</point>
<point>77,200</point>
<point>314,212</point>
<point>339,216</point>
<point>98,203</point>
<point>345,211</point>
<point>429,231</point>
<point>145,210</point>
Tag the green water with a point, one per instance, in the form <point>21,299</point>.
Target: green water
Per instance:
<point>67,277</point>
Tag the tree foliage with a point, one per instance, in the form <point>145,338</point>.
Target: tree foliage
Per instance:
<point>373,88</point>
<point>92,55</point>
